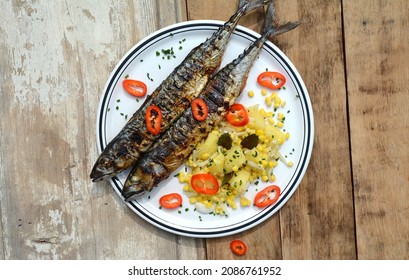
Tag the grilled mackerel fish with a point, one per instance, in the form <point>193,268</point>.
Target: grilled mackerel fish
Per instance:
<point>172,96</point>
<point>174,147</point>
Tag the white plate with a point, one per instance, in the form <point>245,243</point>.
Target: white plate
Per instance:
<point>143,63</point>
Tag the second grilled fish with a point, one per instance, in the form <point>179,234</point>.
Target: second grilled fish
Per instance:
<point>171,150</point>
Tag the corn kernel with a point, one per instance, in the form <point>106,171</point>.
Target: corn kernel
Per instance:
<point>244,201</point>
<point>272,178</point>
<point>271,164</point>
<point>209,204</point>
<point>280,141</point>
<point>251,93</point>
<point>192,200</point>
<point>270,121</point>
<point>264,178</point>
<point>186,188</point>
<point>235,168</point>
<point>181,177</point>
<point>275,163</point>
<point>290,164</point>
<point>287,136</point>
<point>280,116</point>
<point>268,102</point>
<point>277,104</point>
<point>280,124</point>
<point>260,132</point>
<point>269,114</point>
<point>264,163</point>
<point>263,92</point>
<point>262,138</point>
<point>283,103</point>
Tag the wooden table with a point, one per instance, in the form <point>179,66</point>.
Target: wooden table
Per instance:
<point>56,57</point>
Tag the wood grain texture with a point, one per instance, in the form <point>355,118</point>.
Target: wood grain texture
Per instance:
<point>379,106</point>
<point>222,10</point>
<point>263,241</point>
<point>318,222</point>
<point>55,59</point>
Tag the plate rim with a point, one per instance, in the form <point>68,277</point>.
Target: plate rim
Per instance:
<point>265,213</point>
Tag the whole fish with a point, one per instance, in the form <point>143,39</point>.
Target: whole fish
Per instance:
<point>172,97</point>
<point>174,147</point>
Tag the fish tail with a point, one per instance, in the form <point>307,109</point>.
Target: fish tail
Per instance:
<point>283,28</point>
<point>246,6</point>
<point>252,4</point>
<point>270,28</point>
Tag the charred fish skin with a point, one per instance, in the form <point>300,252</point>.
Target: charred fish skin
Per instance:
<point>172,96</point>
<point>172,150</point>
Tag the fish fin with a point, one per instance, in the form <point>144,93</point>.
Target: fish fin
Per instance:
<point>270,18</point>
<point>283,28</point>
<point>270,28</point>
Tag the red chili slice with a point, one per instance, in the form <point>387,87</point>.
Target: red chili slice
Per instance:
<point>238,247</point>
<point>199,109</point>
<point>134,87</point>
<point>171,201</point>
<point>264,197</point>
<point>237,115</point>
<point>273,80</point>
<point>153,119</point>
<point>205,183</point>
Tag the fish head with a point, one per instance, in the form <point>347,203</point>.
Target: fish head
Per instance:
<point>108,166</point>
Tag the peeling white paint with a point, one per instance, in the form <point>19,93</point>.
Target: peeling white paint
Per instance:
<point>56,217</point>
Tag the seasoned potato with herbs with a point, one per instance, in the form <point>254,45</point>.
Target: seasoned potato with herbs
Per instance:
<point>209,147</point>
<point>239,181</point>
<point>274,133</point>
<point>234,159</point>
<point>216,165</point>
<point>257,117</point>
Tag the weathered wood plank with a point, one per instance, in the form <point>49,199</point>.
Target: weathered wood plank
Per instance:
<point>55,58</point>
<point>318,222</point>
<point>222,10</point>
<point>263,241</point>
<point>377,59</point>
